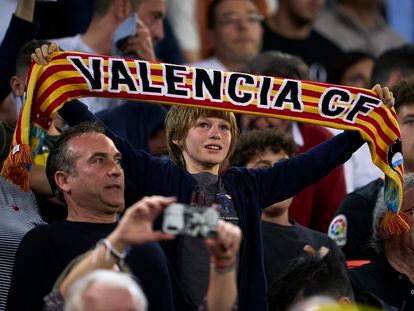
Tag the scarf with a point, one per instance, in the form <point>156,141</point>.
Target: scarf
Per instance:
<point>73,75</point>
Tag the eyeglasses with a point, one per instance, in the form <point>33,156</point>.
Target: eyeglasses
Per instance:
<point>235,19</point>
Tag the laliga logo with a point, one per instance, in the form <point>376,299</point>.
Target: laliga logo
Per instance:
<point>337,230</point>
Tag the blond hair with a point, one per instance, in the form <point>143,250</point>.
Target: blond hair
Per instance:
<point>180,119</point>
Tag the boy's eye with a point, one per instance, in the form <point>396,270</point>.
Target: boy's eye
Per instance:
<point>225,128</point>
<point>203,124</point>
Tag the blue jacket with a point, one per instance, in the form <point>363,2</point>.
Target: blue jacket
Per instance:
<point>251,191</point>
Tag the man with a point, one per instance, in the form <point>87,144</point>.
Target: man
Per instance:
<point>391,276</point>
<point>85,172</point>
<point>143,126</point>
<point>235,32</point>
<point>283,238</point>
<point>354,215</point>
<point>108,15</point>
<point>358,25</point>
<point>290,30</point>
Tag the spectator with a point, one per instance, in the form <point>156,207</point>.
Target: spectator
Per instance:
<point>133,230</point>
<point>283,238</point>
<point>200,141</point>
<point>290,30</point>
<point>309,276</point>
<point>354,215</point>
<point>358,25</point>
<point>21,30</point>
<point>355,69</point>
<point>315,206</point>
<point>394,66</point>
<point>235,32</point>
<point>107,17</point>
<point>106,290</point>
<point>18,214</point>
<point>84,170</point>
<point>50,208</point>
<point>390,276</point>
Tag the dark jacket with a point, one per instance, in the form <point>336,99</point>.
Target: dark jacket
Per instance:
<point>251,191</point>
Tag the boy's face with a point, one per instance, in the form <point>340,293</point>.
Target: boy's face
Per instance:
<point>207,145</point>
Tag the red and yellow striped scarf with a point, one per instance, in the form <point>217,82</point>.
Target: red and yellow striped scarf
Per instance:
<point>74,75</point>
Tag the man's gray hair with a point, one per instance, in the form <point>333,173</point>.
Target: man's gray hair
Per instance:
<point>379,211</point>
<point>74,300</point>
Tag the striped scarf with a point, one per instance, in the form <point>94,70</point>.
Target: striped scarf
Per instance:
<point>73,75</point>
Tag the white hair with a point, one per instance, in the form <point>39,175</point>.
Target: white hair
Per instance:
<point>74,300</point>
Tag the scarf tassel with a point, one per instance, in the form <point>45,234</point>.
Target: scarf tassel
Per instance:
<point>15,166</point>
<point>395,223</point>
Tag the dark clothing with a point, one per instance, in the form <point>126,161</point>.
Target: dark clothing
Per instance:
<point>63,18</point>
<point>168,50</point>
<point>382,280</point>
<point>251,190</point>
<point>195,266</point>
<point>316,51</point>
<point>315,206</point>
<point>18,33</point>
<point>46,250</point>
<point>283,243</point>
<point>135,122</point>
<point>358,207</point>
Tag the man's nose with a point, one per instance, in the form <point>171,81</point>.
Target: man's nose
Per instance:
<point>157,31</point>
<point>115,169</point>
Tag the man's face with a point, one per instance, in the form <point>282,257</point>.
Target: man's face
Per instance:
<point>97,181</point>
<point>406,121</point>
<point>237,30</point>
<point>303,12</point>
<point>268,159</point>
<point>152,13</point>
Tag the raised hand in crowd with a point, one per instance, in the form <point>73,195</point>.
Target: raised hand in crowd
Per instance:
<point>141,44</point>
<point>134,229</point>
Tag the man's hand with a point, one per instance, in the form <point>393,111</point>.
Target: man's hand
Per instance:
<point>225,247</point>
<point>136,226</point>
<point>385,95</point>
<point>43,55</point>
<point>141,44</point>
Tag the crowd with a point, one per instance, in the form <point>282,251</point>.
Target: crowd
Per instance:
<point>301,206</point>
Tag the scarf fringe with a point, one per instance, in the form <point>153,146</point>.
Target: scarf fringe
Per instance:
<point>395,223</point>
<point>14,168</point>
